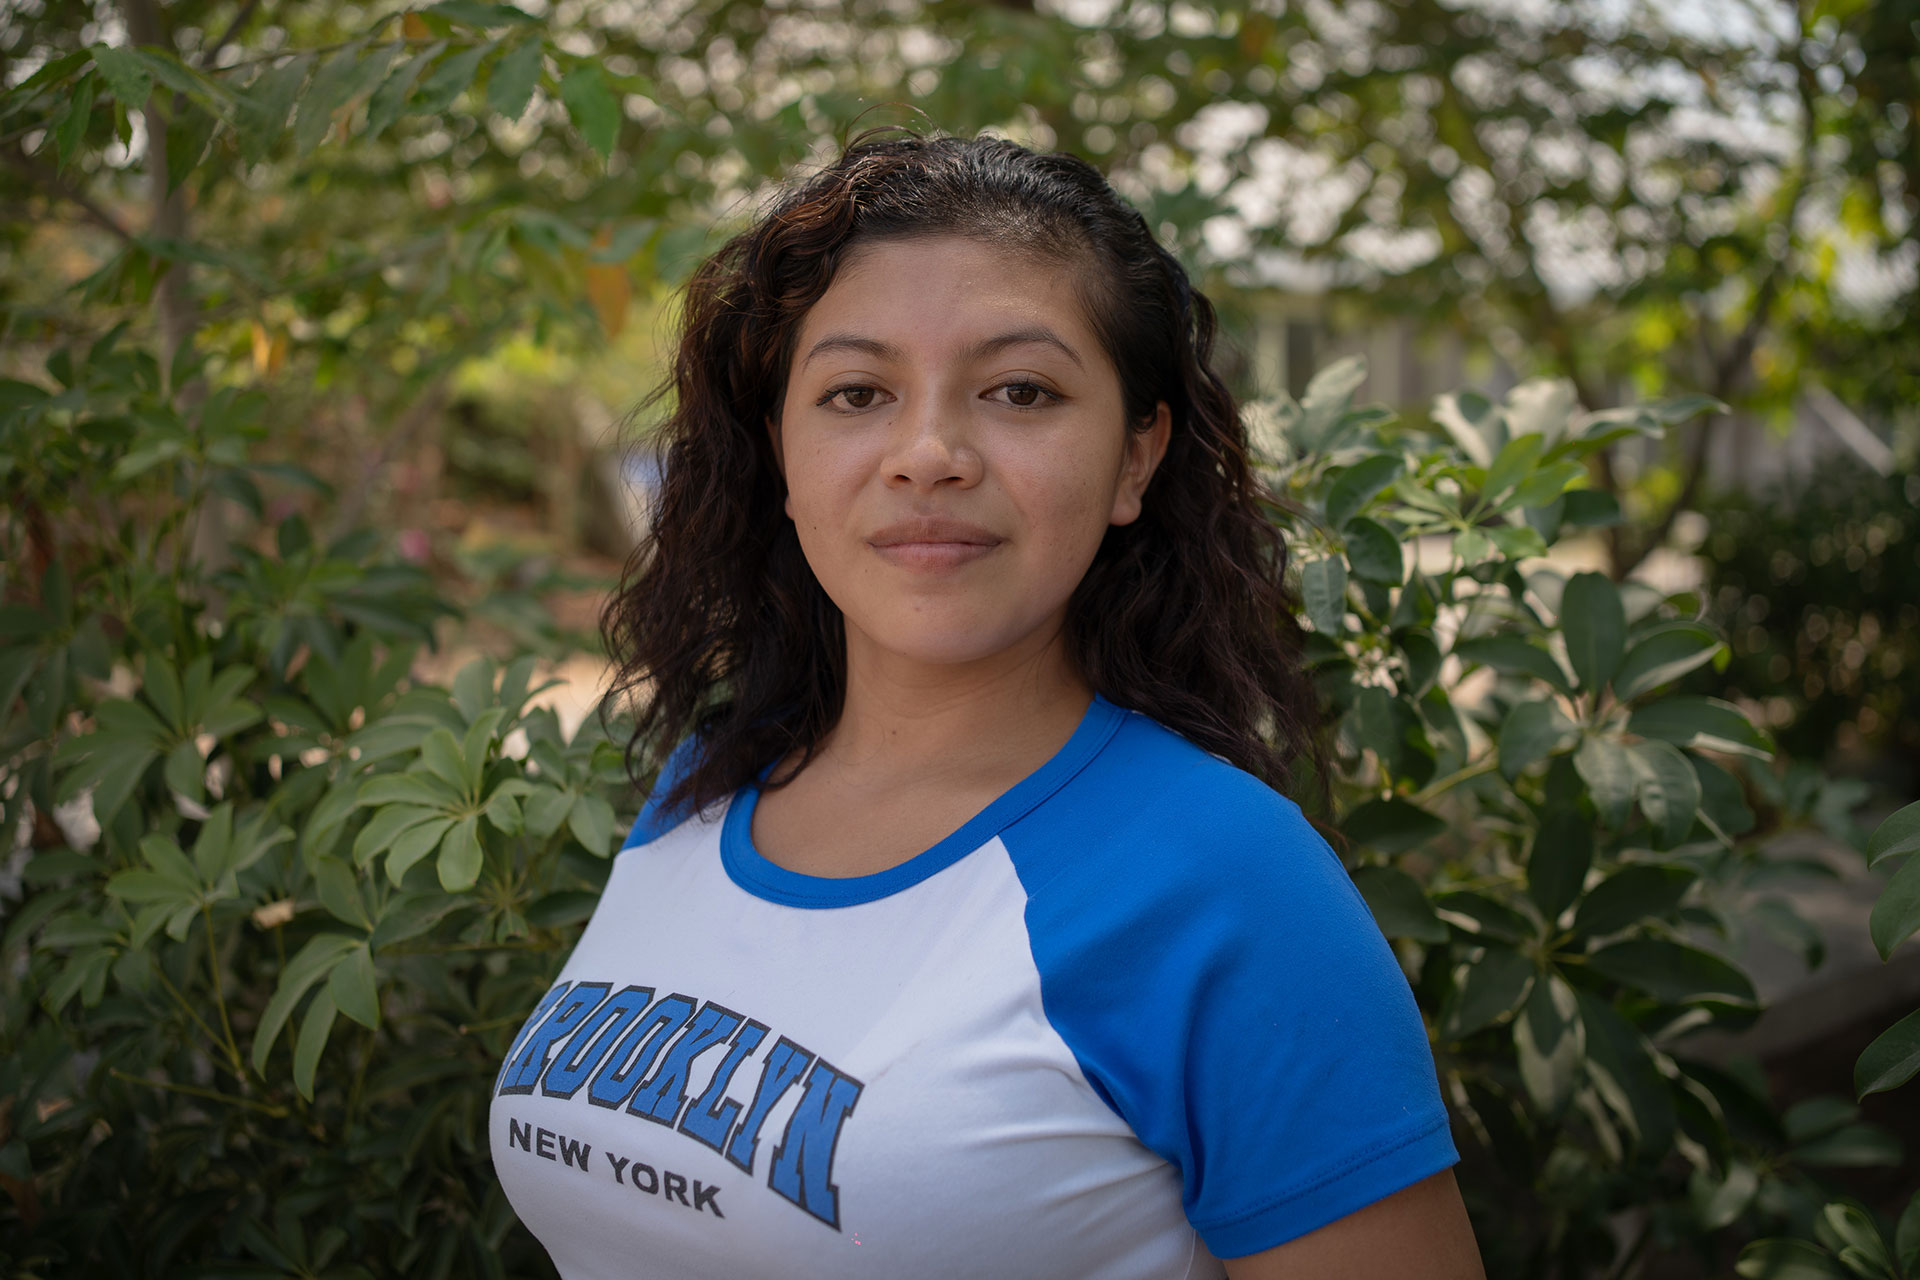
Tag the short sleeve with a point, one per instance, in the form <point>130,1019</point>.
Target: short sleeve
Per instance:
<point>655,818</point>
<point>1224,988</point>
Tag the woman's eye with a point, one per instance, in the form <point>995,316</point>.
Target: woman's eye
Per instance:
<point>857,397</point>
<point>1027,395</point>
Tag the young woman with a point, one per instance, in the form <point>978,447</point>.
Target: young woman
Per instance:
<point>964,933</point>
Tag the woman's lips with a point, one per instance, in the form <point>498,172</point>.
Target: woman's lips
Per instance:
<point>933,543</point>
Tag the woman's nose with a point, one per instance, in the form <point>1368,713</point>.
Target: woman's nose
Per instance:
<point>932,446</point>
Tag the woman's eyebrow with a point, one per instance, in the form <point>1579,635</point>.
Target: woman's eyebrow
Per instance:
<point>883,350</point>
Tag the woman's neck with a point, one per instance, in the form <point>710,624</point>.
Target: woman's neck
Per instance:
<point>1009,712</point>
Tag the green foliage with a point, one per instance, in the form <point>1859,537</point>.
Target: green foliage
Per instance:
<point>1549,830</point>
<point>260,973</point>
<point>1817,582</point>
<point>252,1021</point>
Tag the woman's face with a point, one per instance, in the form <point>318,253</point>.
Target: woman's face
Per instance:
<point>954,447</point>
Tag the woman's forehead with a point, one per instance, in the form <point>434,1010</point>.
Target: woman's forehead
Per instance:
<point>954,294</point>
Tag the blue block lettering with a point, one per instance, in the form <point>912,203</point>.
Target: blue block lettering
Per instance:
<point>525,1066</point>
<point>802,1168</point>
<point>709,1119</point>
<point>621,1069</point>
<point>591,1041</point>
<point>660,1098</point>
<point>786,1062</point>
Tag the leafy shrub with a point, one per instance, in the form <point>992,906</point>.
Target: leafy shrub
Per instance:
<point>1817,585</point>
<point>1548,828</point>
<point>249,1024</point>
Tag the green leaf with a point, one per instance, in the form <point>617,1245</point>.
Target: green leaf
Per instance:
<point>1896,913</point>
<point>1590,509</point>
<point>70,127</point>
<point>1622,1071</point>
<point>340,892</point>
<point>473,688</point>
<point>314,1029</point>
<point>354,989</point>
<point>413,845</point>
<point>1857,1146</point>
<point>1515,656</point>
<point>1786,1260</point>
<point>1720,1201</point>
<point>1391,825</point>
<point>1485,990</point>
<point>1672,971</point>
<point>1664,654</point>
<point>1516,542</point>
<point>340,79</point>
<point>440,752</point>
<point>591,106</point>
<point>213,850</point>
<point>185,770</point>
<point>1398,904</point>
<point>416,787</point>
<point>1557,866</point>
<point>1669,789</point>
<point>1481,917</point>
<point>127,77</point>
<point>1632,895</point>
<point>471,13</point>
<point>1702,723</point>
<point>1531,732</point>
<point>1906,1236</point>
<point>1607,769</point>
<point>261,113</point>
<point>152,886</point>
<point>1847,1228</point>
<point>307,967</point>
<point>1472,422</point>
<point>503,811</point>
<point>408,915</point>
<point>476,747</point>
<point>593,824</point>
<point>556,910</point>
<point>449,80</point>
<point>1374,552</point>
<point>1548,484</point>
<point>1899,834</point>
<point>461,856</point>
<point>1550,1043</point>
<point>1890,1061</point>
<point>510,87</point>
<point>162,687</point>
<point>390,99</point>
<point>1354,487</point>
<point>1595,626</point>
<point>1323,593</point>
<point>546,809</point>
<point>387,827</point>
<point>1325,403</point>
<point>1512,464</point>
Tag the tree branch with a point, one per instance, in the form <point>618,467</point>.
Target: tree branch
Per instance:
<point>56,186</point>
<point>240,19</point>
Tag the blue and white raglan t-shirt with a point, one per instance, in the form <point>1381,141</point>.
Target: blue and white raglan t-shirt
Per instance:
<point>1131,1018</point>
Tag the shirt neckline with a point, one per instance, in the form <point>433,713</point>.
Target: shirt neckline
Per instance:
<point>748,868</point>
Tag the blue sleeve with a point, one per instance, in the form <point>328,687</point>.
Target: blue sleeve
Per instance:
<point>1225,989</point>
<point>655,819</point>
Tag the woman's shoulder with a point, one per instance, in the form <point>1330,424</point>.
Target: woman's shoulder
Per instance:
<point>1154,808</point>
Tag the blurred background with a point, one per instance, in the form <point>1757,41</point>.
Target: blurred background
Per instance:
<point>449,318</point>
<point>359,302</point>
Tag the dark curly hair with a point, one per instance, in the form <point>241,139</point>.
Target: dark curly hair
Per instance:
<point>721,633</point>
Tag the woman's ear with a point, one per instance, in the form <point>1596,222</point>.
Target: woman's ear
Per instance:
<point>1145,449</point>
